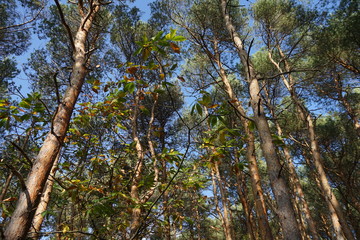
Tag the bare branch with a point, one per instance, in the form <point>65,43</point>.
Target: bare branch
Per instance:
<point>23,153</point>
<point>68,30</point>
<point>20,177</point>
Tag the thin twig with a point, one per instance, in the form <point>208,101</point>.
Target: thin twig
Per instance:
<point>68,30</point>
<point>19,176</point>
<point>24,23</point>
<point>23,153</point>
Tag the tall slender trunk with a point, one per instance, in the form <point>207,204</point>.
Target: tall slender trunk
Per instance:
<point>30,196</point>
<point>229,229</point>
<point>286,213</point>
<point>242,192</point>
<point>305,116</point>
<point>217,181</point>
<point>167,207</point>
<point>134,190</point>
<point>197,216</point>
<point>223,216</point>
<point>300,199</point>
<point>260,207</point>
<point>44,202</point>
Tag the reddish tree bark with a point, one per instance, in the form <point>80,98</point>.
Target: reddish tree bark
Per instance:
<point>29,199</point>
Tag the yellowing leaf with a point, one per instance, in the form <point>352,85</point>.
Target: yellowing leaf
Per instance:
<point>213,106</point>
<point>65,229</point>
<point>4,103</point>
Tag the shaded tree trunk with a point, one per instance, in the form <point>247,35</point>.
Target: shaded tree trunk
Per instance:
<point>242,192</point>
<point>279,186</point>
<point>229,229</point>
<point>218,182</point>
<point>30,196</point>
<point>300,199</point>
<point>224,217</point>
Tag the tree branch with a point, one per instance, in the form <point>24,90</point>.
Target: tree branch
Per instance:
<point>68,30</point>
<point>24,23</point>
<point>23,153</point>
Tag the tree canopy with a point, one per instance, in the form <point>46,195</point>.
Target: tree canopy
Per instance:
<point>206,119</point>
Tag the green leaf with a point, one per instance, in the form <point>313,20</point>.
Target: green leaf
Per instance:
<point>129,87</point>
<point>199,109</point>
<point>179,38</point>
<point>25,103</point>
<point>173,67</point>
<point>206,100</point>
<point>213,121</point>
<point>167,84</point>
<point>277,140</point>
<point>157,36</point>
<point>138,51</point>
<point>146,53</point>
<point>170,35</point>
<point>25,117</point>
<point>192,110</point>
<point>159,90</point>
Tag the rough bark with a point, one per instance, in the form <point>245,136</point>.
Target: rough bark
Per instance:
<point>300,198</point>
<point>30,197</point>
<point>285,211</point>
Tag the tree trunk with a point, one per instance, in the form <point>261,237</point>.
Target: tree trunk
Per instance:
<point>30,197</point>
<point>134,192</point>
<point>242,192</point>
<point>305,116</point>
<point>229,229</point>
<point>260,207</point>
<point>300,198</point>
<point>44,202</point>
<point>295,182</point>
<point>218,182</point>
<point>223,216</point>
<point>279,187</point>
